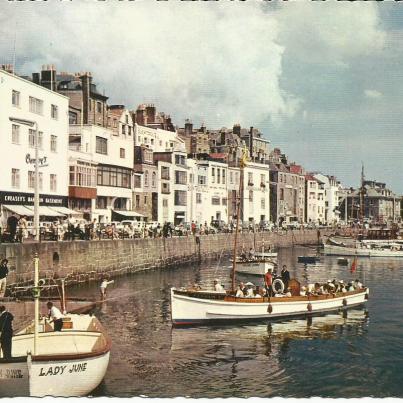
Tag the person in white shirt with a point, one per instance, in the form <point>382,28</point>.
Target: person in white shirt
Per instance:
<point>302,293</point>
<point>56,317</point>
<point>218,287</point>
<point>103,286</point>
<point>358,284</point>
<point>239,293</point>
<point>249,292</point>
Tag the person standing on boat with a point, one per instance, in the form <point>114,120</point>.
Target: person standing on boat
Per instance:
<point>56,316</point>
<point>6,330</point>
<point>268,282</point>
<point>3,277</point>
<point>103,286</point>
<point>285,276</point>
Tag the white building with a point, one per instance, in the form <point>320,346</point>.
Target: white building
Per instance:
<point>314,200</point>
<point>331,196</point>
<point>46,111</point>
<point>209,192</point>
<point>256,200</point>
<point>110,155</point>
<point>158,140</point>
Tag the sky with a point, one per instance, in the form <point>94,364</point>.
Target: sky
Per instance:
<point>322,80</point>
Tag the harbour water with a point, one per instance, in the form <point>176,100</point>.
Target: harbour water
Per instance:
<point>353,355</point>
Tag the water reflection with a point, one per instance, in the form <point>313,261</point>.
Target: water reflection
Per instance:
<point>336,355</point>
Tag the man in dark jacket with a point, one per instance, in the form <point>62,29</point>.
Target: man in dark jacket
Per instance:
<point>6,329</point>
<point>3,277</point>
<point>285,276</point>
<point>12,223</point>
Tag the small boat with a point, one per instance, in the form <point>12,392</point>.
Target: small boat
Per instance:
<point>308,259</point>
<point>365,249</point>
<point>255,267</point>
<point>342,261</point>
<point>69,363</point>
<point>66,363</point>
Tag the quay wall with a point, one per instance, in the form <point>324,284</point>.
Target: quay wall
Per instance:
<point>81,261</point>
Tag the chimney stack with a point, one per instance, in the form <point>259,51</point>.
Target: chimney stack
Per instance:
<point>188,127</point>
<point>9,68</point>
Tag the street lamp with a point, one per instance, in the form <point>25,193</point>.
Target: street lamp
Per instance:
<point>32,123</point>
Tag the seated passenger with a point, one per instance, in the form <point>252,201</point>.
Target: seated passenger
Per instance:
<point>311,288</point>
<point>249,292</point>
<point>288,292</point>
<point>239,293</point>
<point>302,293</point>
<point>218,287</point>
<point>358,284</point>
<point>350,286</point>
<point>342,287</point>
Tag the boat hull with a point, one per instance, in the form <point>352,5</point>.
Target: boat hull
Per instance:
<point>191,310</point>
<point>254,268</point>
<point>363,252</point>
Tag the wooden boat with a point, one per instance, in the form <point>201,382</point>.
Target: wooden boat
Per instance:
<point>192,307</point>
<point>72,362</point>
<point>366,249</point>
<point>255,268</point>
<point>342,261</point>
<point>308,259</point>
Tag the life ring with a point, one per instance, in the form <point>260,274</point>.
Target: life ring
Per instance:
<point>280,282</point>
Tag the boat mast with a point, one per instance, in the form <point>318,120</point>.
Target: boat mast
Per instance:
<point>242,164</point>
<point>362,195</point>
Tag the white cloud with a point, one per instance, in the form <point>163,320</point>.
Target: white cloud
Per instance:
<point>374,94</point>
<point>217,62</point>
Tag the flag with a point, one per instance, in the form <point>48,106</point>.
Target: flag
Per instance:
<point>354,265</point>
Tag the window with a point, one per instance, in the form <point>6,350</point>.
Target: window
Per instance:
<point>180,177</point>
<point>123,129</point>
<point>179,159</point>
<point>165,173</point>
<point>218,175</point>
<point>224,201</point>
<point>137,200</point>
<point>15,98</point>
<point>99,107</point>
<point>263,180</point>
<point>212,175</point>
<point>83,174</point>
<point>146,178</point>
<point>215,201</point>
<point>101,146</point>
<point>231,177</point>
<point>152,142</point>
<point>180,197</point>
<point>250,179</point>
<point>198,198</point>
<point>164,202</point>
<point>165,188</point>
<point>53,183</point>
<point>31,179</point>
<point>137,181</point>
<point>114,176</point>
<point>129,131</point>
<point>31,138</point>
<point>53,143</point>
<point>54,110</point>
<point>263,204</point>
<point>122,153</point>
<point>127,119</point>
<point>15,134</point>
<point>251,195</point>
<point>36,105</point>
<point>281,194</point>
<point>201,180</point>
<point>153,179</point>
<point>73,118</point>
<point>15,178</point>
<point>190,178</point>
<point>223,176</point>
<point>145,200</point>
<point>40,140</point>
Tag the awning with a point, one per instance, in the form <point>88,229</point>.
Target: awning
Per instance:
<point>65,211</point>
<point>48,212</point>
<point>20,210</point>
<point>128,213</point>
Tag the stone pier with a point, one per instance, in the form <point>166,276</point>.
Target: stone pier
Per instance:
<point>81,261</point>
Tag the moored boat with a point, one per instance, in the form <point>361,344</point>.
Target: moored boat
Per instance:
<point>72,362</point>
<point>365,249</point>
<point>192,307</point>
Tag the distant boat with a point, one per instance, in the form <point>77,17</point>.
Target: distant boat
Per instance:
<point>342,261</point>
<point>308,259</point>
<point>255,267</point>
<point>72,362</point>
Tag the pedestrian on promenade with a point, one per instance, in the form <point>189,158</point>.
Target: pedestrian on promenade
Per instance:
<point>56,316</point>
<point>193,228</point>
<point>12,223</point>
<point>3,277</point>
<point>6,331</point>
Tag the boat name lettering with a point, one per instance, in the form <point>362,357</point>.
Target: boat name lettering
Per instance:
<point>60,369</point>
<point>10,373</point>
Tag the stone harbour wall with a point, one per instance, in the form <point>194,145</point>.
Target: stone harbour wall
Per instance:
<point>81,261</point>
